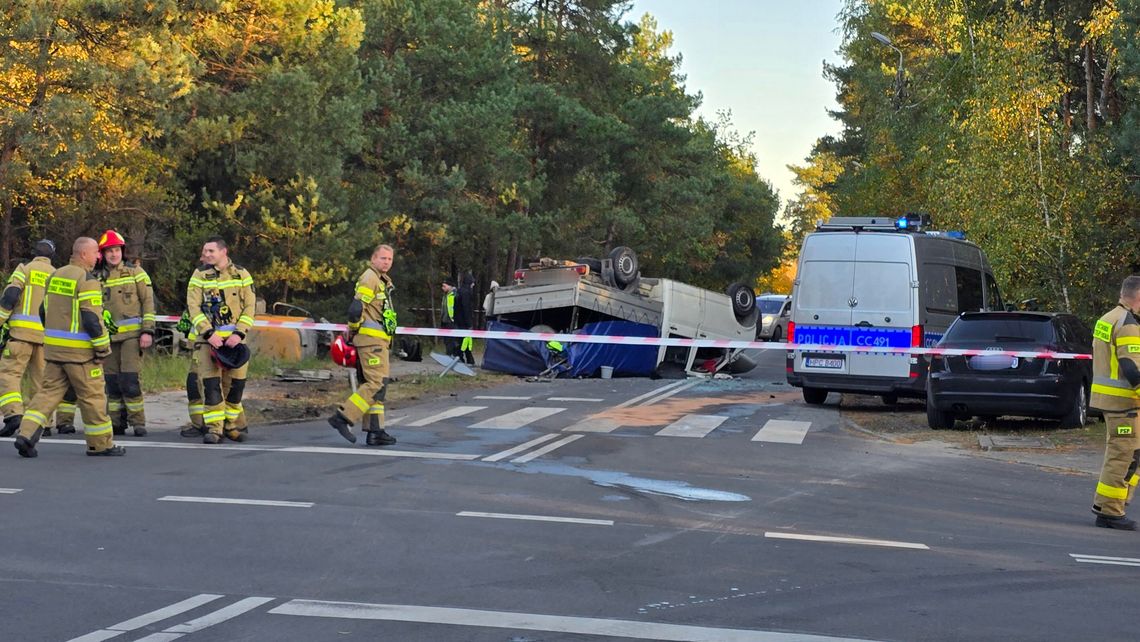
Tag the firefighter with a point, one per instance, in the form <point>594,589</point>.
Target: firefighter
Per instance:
<point>1116,393</point>
<point>23,351</point>
<point>75,343</point>
<point>371,325</point>
<point>128,299</point>
<point>222,303</point>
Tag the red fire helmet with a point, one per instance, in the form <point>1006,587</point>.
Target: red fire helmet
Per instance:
<point>343,353</point>
<point>111,238</point>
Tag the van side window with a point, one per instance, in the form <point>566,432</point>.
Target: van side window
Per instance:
<point>940,291</point>
<point>969,289</point>
<point>993,295</point>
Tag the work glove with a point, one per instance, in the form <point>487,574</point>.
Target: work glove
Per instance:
<point>390,324</point>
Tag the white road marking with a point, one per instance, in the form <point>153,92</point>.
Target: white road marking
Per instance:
<point>520,448</point>
<point>208,620</point>
<point>546,449</point>
<point>501,398</point>
<point>593,424</point>
<point>324,450</point>
<point>846,540</point>
<point>692,426</point>
<point>538,518</point>
<point>147,619</point>
<point>1100,559</point>
<point>229,500</point>
<point>456,411</point>
<point>584,399</point>
<point>518,418</point>
<point>781,431</point>
<point>630,402</point>
<point>665,395</point>
<point>601,627</point>
<point>10,491</point>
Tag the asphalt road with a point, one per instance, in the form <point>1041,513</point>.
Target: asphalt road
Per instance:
<point>575,510</point>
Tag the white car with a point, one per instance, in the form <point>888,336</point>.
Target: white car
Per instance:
<point>775,312</point>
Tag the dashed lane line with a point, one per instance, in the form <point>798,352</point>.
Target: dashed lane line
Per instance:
<point>500,398</point>
<point>546,449</point>
<point>457,411</point>
<point>582,399</point>
<point>651,393</point>
<point>1100,559</point>
<point>322,450</point>
<point>233,500</point>
<point>846,540</point>
<point>10,491</point>
<point>537,518</point>
<point>521,447</point>
<point>519,418</point>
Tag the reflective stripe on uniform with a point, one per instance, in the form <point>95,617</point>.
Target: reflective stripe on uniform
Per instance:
<point>134,406</point>
<point>359,402</point>
<point>1114,388</point>
<point>35,417</point>
<point>64,339</point>
<point>214,416</point>
<point>1111,491</point>
<point>196,409</point>
<point>123,280</point>
<point>98,429</point>
<point>27,321</point>
<point>66,407</point>
<point>114,405</point>
<point>374,329</point>
<point>376,409</point>
<point>233,412</point>
<point>11,397</point>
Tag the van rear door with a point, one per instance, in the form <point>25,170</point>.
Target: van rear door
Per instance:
<point>820,303</point>
<point>883,303</point>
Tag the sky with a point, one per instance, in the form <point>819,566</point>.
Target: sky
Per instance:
<point>762,60</point>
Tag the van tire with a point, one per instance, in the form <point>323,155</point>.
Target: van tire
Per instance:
<point>1078,415</point>
<point>625,265</point>
<point>890,399</point>
<point>814,396</point>
<point>743,300</point>
<point>938,419</point>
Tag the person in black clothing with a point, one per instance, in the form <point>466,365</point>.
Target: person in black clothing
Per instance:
<point>465,314</point>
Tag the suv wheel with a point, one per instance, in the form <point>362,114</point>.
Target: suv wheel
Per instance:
<point>777,334</point>
<point>935,418</point>
<point>1078,415</point>
<point>815,396</point>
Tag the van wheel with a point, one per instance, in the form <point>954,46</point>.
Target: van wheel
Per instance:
<point>1078,415</point>
<point>815,396</point>
<point>625,265</point>
<point>890,399</point>
<point>937,419</point>
<point>743,300</point>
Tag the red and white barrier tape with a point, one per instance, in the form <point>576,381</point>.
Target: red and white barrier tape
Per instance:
<point>659,341</point>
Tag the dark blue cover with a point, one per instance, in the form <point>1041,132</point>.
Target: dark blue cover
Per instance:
<point>527,358</point>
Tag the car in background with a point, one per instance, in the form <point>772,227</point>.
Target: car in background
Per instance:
<point>775,312</point>
<point>990,384</point>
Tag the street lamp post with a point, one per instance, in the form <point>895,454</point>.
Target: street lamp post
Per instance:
<point>899,75</point>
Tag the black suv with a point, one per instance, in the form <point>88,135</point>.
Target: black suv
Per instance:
<point>989,385</point>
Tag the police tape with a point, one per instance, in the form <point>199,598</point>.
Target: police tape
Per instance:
<point>666,341</point>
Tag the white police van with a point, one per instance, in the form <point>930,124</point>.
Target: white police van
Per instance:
<point>879,282</point>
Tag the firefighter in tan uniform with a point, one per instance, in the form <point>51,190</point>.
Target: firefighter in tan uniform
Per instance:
<point>128,299</point>
<point>23,352</point>
<point>1116,393</point>
<point>222,304</point>
<point>371,324</point>
<point>75,343</point>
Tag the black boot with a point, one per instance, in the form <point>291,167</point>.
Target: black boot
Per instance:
<point>113,451</point>
<point>379,438</point>
<point>1120,523</point>
<point>118,429</point>
<point>236,434</point>
<point>27,447</point>
<point>65,429</point>
<point>140,431</point>
<point>11,425</point>
<point>47,431</point>
<point>212,438</point>
<point>342,425</point>
<point>192,431</point>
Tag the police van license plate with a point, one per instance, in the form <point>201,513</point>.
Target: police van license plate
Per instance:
<point>823,362</point>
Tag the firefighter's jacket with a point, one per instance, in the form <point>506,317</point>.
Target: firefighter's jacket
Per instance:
<point>73,316</point>
<point>129,296</point>
<point>221,301</point>
<point>371,307</point>
<point>20,303</point>
<point>1116,362</point>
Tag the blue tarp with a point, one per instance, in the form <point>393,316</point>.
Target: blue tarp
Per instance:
<point>584,359</point>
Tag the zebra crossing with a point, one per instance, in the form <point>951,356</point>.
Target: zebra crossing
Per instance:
<point>620,417</point>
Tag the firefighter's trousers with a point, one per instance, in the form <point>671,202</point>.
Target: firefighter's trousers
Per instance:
<point>87,380</point>
<point>124,391</point>
<point>372,371</point>
<point>222,391</point>
<point>17,358</point>
<point>1116,478</point>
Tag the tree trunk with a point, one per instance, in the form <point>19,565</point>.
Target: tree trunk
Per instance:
<point>1090,103</point>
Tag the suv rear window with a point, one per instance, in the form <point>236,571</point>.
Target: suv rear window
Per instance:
<point>1001,329</point>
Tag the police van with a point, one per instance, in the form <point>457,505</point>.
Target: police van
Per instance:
<point>879,282</point>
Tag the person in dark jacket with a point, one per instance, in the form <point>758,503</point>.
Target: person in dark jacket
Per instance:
<point>465,314</point>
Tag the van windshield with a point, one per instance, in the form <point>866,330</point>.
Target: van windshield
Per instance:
<point>770,306</point>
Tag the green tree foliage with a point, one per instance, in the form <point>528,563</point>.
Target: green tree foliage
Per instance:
<point>471,135</point>
<point>1008,124</point>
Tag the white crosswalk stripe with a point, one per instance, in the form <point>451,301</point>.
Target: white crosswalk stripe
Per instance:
<point>692,426</point>
<point>518,418</point>
<point>782,431</point>
<point>457,411</point>
<point>594,424</point>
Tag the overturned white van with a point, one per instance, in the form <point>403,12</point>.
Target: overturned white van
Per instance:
<point>879,282</point>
